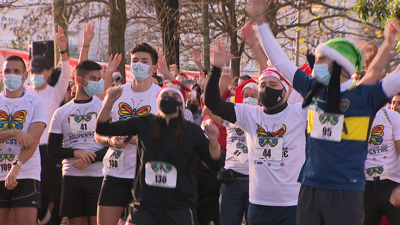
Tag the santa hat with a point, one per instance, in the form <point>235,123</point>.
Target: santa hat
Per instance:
<point>272,72</point>
<point>239,89</point>
<point>116,73</point>
<point>343,53</point>
<point>173,86</point>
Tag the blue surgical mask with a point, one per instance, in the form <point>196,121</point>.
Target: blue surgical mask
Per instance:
<point>250,101</point>
<point>92,88</point>
<point>140,71</point>
<point>101,91</point>
<point>322,74</point>
<point>38,80</point>
<point>12,82</point>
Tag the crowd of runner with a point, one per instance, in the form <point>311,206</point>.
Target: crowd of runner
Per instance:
<point>316,145</point>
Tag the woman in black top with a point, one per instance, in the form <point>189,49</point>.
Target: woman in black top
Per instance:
<point>169,151</point>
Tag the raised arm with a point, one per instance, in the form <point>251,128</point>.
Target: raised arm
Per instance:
<point>112,66</point>
<point>88,34</point>
<point>268,42</point>
<point>212,97</point>
<point>62,84</point>
<point>378,64</point>
<point>118,128</point>
<point>196,58</point>
<point>251,40</point>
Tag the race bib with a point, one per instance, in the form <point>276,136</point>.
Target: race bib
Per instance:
<point>241,152</point>
<point>161,174</point>
<point>271,152</point>
<point>114,159</point>
<point>83,125</point>
<point>378,171</point>
<point>6,160</point>
<point>328,126</point>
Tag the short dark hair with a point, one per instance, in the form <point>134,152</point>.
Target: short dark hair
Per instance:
<point>16,58</point>
<point>144,47</point>
<point>245,77</point>
<point>182,74</point>
<point>158,78</point>
<point>235,81</point>
<point>84,67</point>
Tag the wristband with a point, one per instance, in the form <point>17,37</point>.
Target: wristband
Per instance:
<point>86,46</point>
<point>17,162</point>
<point>65,51</point>
<point>209,147</point>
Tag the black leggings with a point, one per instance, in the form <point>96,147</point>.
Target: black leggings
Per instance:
<point>376,202</point>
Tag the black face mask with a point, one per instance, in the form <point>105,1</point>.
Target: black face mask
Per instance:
<point>270,97</point>
<point>169,105</point>
<point>193,108</point>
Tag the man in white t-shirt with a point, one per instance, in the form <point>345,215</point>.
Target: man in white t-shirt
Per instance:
<point>22,121</point>
<point>138,98</point>
<point>71,138</point>
<point>382,168</point>
<point>40,71</point>
<point>275,136</point>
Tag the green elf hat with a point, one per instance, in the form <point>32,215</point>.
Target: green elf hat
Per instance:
<point>344,53</point>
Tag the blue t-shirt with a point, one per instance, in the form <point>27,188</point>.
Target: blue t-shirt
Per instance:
<point>339,165</point>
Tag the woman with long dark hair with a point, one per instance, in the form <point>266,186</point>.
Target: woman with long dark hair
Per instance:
<point>169,151</point>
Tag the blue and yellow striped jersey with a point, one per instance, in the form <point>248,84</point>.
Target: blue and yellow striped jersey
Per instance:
<point>340,165</point>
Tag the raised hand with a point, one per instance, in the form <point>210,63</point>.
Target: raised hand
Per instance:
<point>163,67</point>
<point>249,35</point>
<point>113,63</point>
<point>257,10</point>
<point>392,28</point>
<point>202,80</point>
<point>173,69</point>
<point>88,33</point>
<point>61,39</point>
<point>195,56</point>
<point>219,54</point>
<point>226,79</point>
<point>112,94</point>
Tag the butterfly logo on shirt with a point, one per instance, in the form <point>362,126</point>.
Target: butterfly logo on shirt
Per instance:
<point>328,117</point>
<point>82,116</point>
<point>269,138</point>
<point>156,166</point>
<point>242,146</point>
<point>126,112</point>
<point>9,157</point>
<point>376,135</point>
<point>372,170</point>
<point>12,120</point>
<point>239,131</point>
<point>116,154</point>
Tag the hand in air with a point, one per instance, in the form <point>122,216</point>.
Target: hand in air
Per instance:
<point>219,54</point>
<point>88,33</point>
<point>61,39</point>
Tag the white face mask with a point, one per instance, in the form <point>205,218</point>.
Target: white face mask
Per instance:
<point>140,71</point>
<point>250,101</point>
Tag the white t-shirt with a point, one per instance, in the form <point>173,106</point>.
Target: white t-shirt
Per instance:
<point>274,182</point>
<point>53,95</point>
<point>383,158</point>
<point>77,123</point>
<point>20,113</point>
<point>122,162</point>
<point>236,149</point>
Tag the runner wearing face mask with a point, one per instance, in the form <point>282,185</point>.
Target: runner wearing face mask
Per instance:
<point>138,98</point>
<point>169,152</point>
<point>275,142</point>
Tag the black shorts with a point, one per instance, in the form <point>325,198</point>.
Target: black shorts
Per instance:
<point>149,214</point>
<point>79,196</point>
<point>377,202</point>
<point>25,194</point>
<point>116,191</point>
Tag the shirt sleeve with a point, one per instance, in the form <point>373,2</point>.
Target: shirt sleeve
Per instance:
<point>377,96</point>
<point>395,121</point>
<point>40,115</point>
<point>56,123</point>
<point>62,83</point>
<point>274,51</point>
<point>119,128</point>
<point>203,151</point>
<point>303,83</point>
<point>391,83</point>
